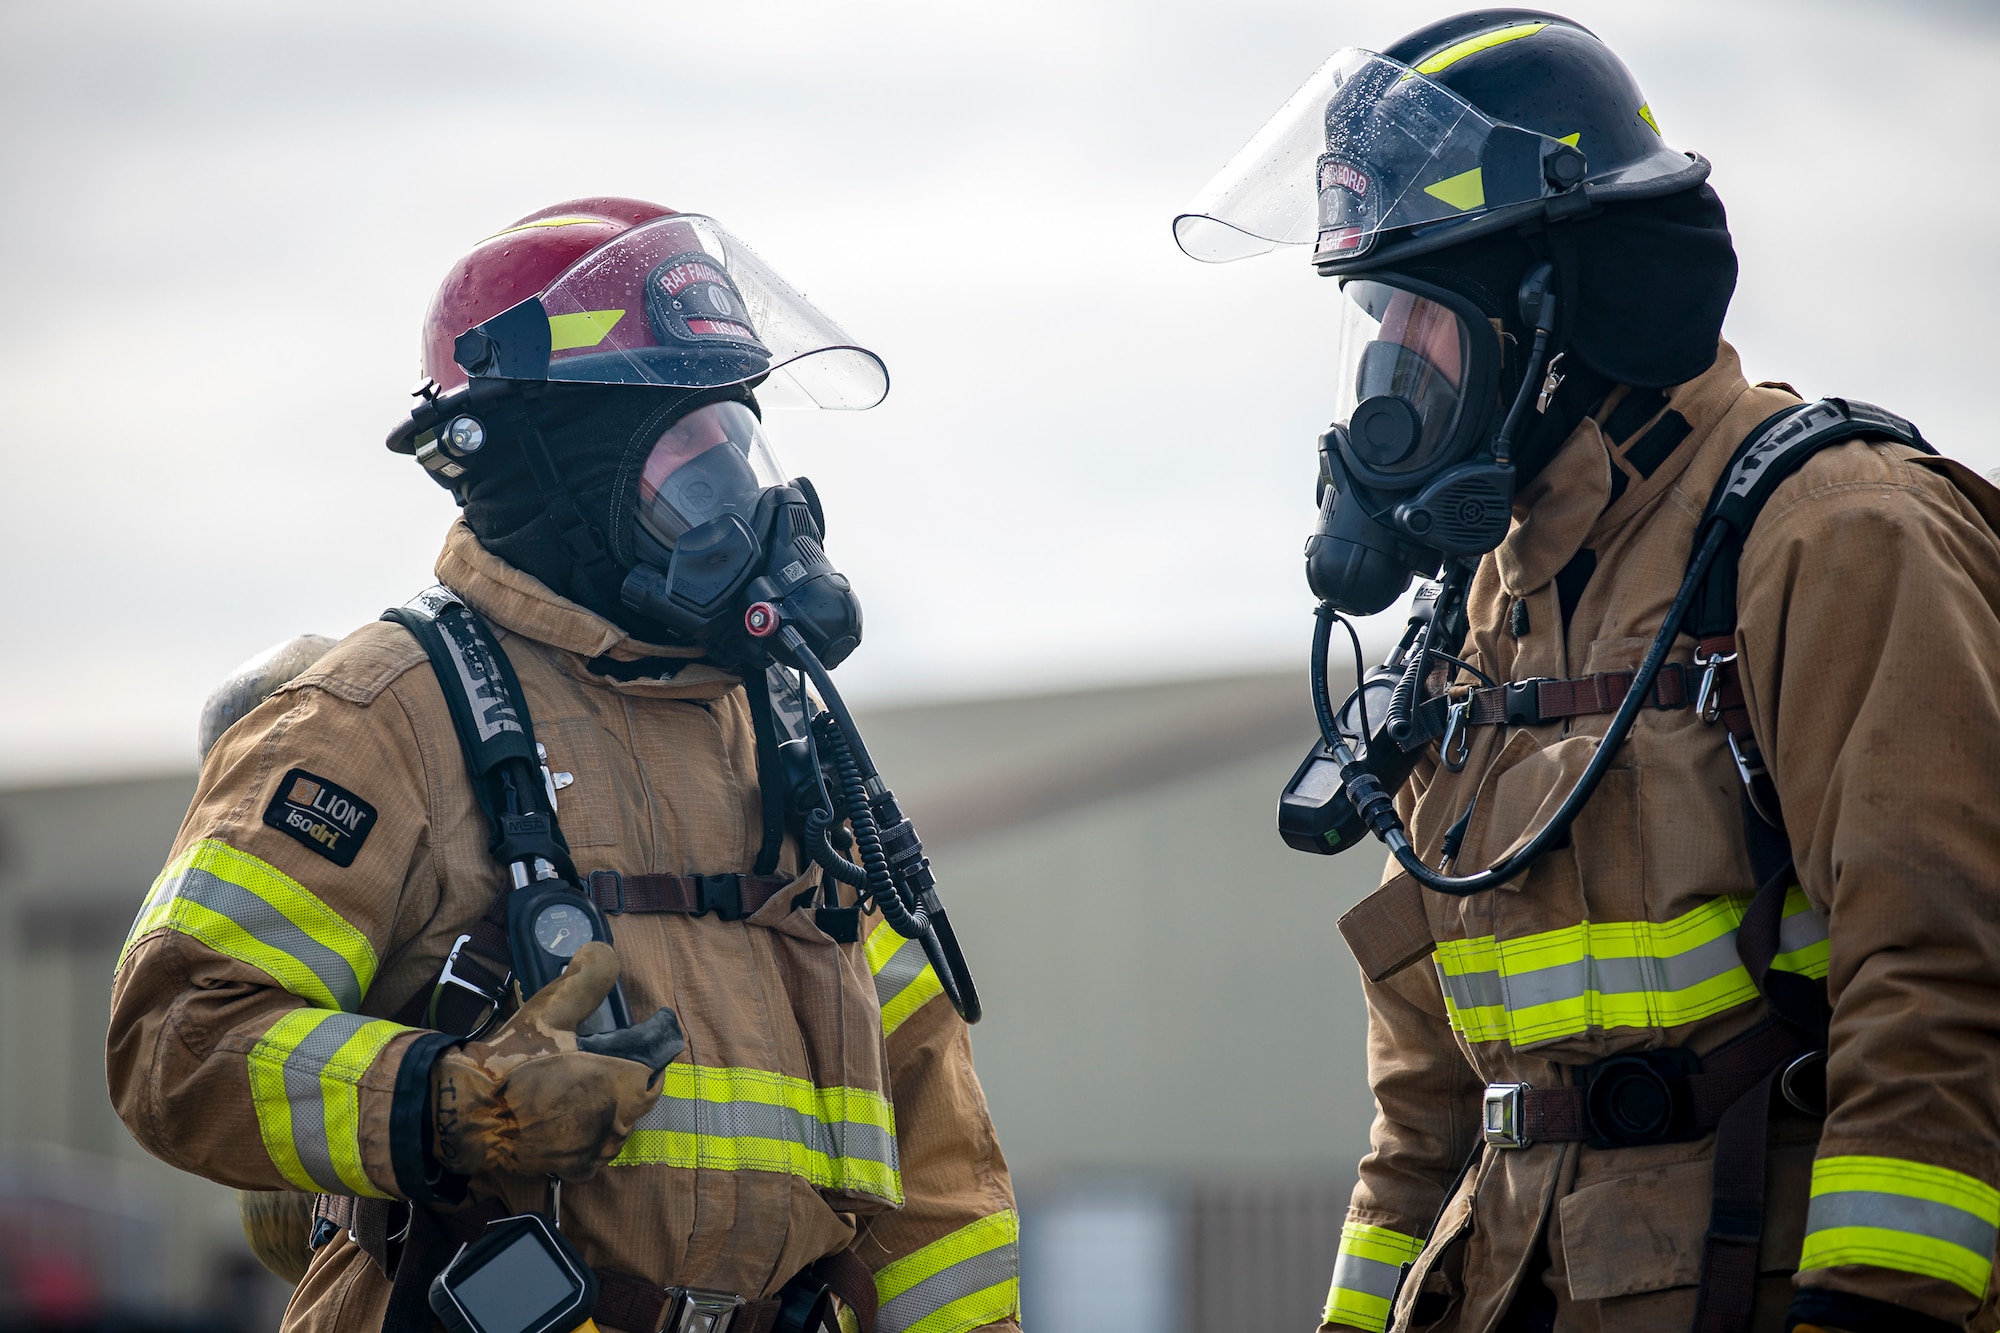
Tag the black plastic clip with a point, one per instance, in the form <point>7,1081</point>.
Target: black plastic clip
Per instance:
<point>1523,700</point>
<point>720,894</point>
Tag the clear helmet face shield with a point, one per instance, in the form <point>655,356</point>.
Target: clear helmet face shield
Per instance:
<point>711,462</point>
<point>678,302</point>
<point>1370,146</point>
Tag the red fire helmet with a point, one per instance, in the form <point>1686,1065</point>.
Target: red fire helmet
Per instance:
<point>621,291</point>
<point>516,263</point>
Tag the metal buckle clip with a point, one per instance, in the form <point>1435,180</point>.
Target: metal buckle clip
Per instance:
<point>451,977</point>
<point>1503,1112</point>
<point>1756,778</point>
<point>1457,744</point>
<point>690,1310</point>
<point>1804,1083</point>
<point>1708,699</point>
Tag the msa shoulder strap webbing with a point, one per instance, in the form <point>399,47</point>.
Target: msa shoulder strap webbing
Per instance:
<point>1778,447</point>
<point>491,718</point>
<point>497,738</point>
<point>1774,450</point>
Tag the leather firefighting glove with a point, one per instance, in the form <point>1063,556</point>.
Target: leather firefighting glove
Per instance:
<point>536,1099</point>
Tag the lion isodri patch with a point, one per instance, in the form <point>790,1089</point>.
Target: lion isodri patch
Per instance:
<point>323,815</point>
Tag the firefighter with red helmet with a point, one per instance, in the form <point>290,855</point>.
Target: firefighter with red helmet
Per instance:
<point>725,1068</point>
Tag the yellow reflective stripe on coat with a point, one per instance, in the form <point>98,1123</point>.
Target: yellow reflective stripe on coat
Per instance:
<point>305,1076</point>
<point>722,1119</point>
<point>257,914</point>
<point>904,979</point>
<point>1623,974</point>
<point>967,1279</point>
<point>1366,1273</point>
<point>1908,1216</point>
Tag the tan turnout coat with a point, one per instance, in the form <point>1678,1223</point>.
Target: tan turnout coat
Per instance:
<point>827,1096</point>
<point>1870,658</point>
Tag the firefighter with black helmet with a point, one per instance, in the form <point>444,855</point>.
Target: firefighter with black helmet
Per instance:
<point>523,915</point>
<point>1681,980</point>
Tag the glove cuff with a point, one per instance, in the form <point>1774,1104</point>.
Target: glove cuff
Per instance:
<point>1830,1307</point>
<point>418,1175</point>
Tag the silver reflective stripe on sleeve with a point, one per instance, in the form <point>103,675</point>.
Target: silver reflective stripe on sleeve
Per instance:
<point>965,1280</point>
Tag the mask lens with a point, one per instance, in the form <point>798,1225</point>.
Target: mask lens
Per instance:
<point>1402,371</point>
<point>711,462</point>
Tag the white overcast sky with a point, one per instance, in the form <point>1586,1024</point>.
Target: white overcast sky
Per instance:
<point>220,224</point>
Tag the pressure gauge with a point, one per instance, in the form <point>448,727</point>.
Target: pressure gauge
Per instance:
<point>563,928</point>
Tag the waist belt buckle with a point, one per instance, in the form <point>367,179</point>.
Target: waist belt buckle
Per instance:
<point>450,977</point>
<point>720,894</point>
<point>1504,1112</point>
<point>691,1310</point>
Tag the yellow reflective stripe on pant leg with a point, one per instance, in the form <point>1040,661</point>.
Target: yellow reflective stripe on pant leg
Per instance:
<point>1907,1216</point>
<point>729,1119</point>
<point>965,1280</point>
<point>904,979</point>
<point>305,1076</point>
<point>252,911</point>
<point>1366,1273</point>
<point>1622,974</point>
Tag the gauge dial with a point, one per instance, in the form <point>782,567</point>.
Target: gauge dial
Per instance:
<point>563,929</point>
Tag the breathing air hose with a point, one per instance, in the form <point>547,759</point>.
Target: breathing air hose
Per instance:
<point>894,873</point>
<point>1377,806</point>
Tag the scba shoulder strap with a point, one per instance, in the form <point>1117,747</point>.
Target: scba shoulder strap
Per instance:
<point>495,732</point>
<point>491,718</point>
<point>1778,447</point>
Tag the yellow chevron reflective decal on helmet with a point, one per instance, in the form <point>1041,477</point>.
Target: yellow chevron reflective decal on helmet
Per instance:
<point>965,1280</point>
<point>1464,192</point>
<point>250,910</point>
<point>718,1118</point>
<point>585,328</point>
<point>544,222</point>
<point>1571,139</point>
<point>1911,1217</point>
<point>305,1085</point>
<point>1646,114</point>
<point>1485,41</point>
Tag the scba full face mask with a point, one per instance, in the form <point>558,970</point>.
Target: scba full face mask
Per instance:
<point>728,550</point>
<point>1411,471</point>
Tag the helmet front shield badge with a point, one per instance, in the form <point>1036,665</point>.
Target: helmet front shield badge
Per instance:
<point>1373,160</point>
<point>678,302</point>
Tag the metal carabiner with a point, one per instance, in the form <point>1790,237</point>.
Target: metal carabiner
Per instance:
<point>1455,731</point>
<point>1708,698</point>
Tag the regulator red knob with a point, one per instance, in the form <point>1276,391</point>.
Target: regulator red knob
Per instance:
<point>761,620</point>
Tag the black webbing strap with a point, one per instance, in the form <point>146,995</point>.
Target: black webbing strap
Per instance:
<point>490,715</point>
<point>770,787</point>
<point>1777,448</point>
